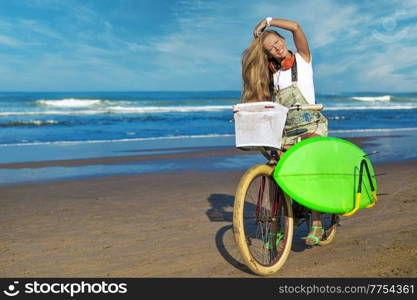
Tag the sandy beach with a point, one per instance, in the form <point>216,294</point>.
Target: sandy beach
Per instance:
<point>179,224</point>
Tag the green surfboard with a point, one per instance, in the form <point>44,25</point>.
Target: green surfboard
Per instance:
<point>323,173</point>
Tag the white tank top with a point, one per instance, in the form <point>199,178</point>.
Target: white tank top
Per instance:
<point>282,79</point>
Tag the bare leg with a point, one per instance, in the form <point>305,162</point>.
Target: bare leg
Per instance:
<point>316,218</point>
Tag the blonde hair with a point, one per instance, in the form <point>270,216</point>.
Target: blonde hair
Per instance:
<point>255,72</point>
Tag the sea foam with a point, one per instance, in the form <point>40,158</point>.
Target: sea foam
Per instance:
<point>173,109</point>
<point>29,123</point>
<point>389,107</point>
<point>120,140</point>
<point>69,102</point>
<point>374,130</point>
<point>377,98</point>
<point>122,110</point>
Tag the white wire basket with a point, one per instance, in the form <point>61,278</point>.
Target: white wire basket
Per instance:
<point>259,125</point>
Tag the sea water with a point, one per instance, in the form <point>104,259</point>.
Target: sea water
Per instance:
<point>43,126</point>
<point>37,118</point>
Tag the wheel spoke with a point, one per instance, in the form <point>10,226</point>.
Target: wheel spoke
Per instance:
<point>261,213</point>
<point>259,225</point>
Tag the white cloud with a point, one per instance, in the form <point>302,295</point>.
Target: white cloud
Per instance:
<point>201,48</point>
<point>9,41</point>
<point>324,21</point>
<point>29,25</point>
<point>203,44</point>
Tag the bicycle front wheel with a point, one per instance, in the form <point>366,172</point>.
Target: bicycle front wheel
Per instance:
<point>262,221</point>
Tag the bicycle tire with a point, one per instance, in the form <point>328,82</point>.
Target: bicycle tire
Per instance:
<point>272,221</point>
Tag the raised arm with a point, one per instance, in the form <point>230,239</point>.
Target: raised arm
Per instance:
<point>300,40</point>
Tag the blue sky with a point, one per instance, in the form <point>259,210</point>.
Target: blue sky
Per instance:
<point>104,45</point>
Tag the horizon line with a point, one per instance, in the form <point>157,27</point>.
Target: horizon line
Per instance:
<point>182,91</point>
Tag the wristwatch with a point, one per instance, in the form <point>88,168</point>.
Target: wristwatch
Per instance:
<point>268,21</point>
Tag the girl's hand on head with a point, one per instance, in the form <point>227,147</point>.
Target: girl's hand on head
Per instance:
<point>259,28</point>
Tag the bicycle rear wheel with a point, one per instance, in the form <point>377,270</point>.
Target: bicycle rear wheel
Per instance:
<point>329,223</point>
<point>262,221</point>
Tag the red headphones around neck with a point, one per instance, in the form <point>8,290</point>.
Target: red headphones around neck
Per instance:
<point>285,64</point>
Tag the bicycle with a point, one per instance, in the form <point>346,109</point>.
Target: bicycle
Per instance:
<point>264,217</point>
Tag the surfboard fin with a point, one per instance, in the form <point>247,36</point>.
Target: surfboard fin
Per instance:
<point>364,165</point>
<point>372,153</point>
<point>356,208</point>
<point>375,199</point>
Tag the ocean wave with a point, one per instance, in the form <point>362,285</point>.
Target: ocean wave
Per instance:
<point>70,102</point>
<point>30,123</point>
<point>122,110</point>
<point>118,140</point>
<point>165,109</point>
<point>176,109</point>
<point>385,107</point>
<point>189,137</point>
<point>337,118</point>
<point>74,102</point>
<point>373,130</point>
<point>375,98</point>
<point>50,112</point>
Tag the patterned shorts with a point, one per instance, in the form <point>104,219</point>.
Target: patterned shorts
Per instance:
<point>320,128</point>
